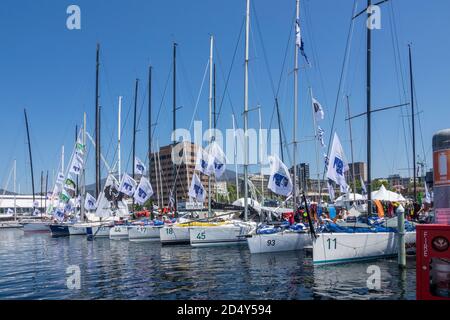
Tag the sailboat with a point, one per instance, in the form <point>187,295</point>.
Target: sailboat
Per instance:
<point>341,244</point>
<point>283,237</point>
<point>11,213</point>
<point>228,232</point>
<point>33,225</point>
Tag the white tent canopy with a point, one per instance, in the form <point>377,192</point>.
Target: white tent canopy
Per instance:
<point>385,195</point>
<point>351,197</point>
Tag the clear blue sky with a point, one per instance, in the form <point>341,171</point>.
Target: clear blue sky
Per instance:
<point>50,70</point>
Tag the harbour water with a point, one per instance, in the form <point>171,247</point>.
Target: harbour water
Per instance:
<point>33,266</point>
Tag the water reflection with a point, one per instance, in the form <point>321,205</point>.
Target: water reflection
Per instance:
<point>33,266</point>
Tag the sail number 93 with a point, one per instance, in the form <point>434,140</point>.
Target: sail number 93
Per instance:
<point>271,243</point>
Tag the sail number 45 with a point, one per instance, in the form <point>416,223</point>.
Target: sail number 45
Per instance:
<point>332,243</point>
<point>201,235</point>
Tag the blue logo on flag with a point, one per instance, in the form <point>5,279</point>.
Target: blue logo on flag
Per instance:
<point>280,180</point>
<point>142,194</point>
<point>339,165</point>
<point>198,189</point>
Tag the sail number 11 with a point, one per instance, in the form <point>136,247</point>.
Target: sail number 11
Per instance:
<point>330,243</point>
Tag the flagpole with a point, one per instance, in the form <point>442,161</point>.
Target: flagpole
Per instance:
<point>294,134</point>
<point>210,113</point>
<point>315,144</point>
<point>247,35</point>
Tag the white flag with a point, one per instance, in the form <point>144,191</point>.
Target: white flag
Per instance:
<point>76,166</point>
<point>143,192</point>
<point>60,179</point>
<point>217,160</point>
<point>338,164</point>
<point>298,36</point>
<point>197,191</point>
<point>363,186</point>
<point>90,203</point>
<point>318,110</point>
<point>10,211</point>
<point>427,194</point>
<point>331,191</point>
<point>320,133</point>
<point>280,180</point>
<point>139,166</point>
<point>127,185</point>
<point>201,162</point>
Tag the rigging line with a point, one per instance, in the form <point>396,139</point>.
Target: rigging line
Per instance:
<point>420,122</point>
<point>400,82</point>
<point>310,32</point>
<point>258,28</point>
<point>178,167</point>
<point>344,63</point>
<point>199,94</point>
<point>225,90</point>
<point>163,98</point>
<point>283,66</point>
<point>185,76</point>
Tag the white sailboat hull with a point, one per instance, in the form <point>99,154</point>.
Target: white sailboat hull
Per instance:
<point>278,242</point>
<point>350,247</point>
<point>144,233</point>
<point>174,235</point>
<point>98,231</point>
<point>218,235</point>
<point>77,230</point>
<point>118,233</point>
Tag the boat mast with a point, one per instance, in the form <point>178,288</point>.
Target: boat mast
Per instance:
<point>294,134</point>
<point>210,113</point>
<point>174,107</point>
<point>261,156</point>
<point>149,123</point>
<point>317,151</point>
<point>134,129</point>
<point>368,114</point>
<point>97,126</point>
<point>15,177</point>
<point>413,122</point>
<point>351,147</point>
<point>83,172</point>
<point>119,137</point>
<point>247,35</point>
<point>42,189</point>
<point>235,158</point>
<point>30,155</point>
<point>279,129</point>
<point>46,190</point>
